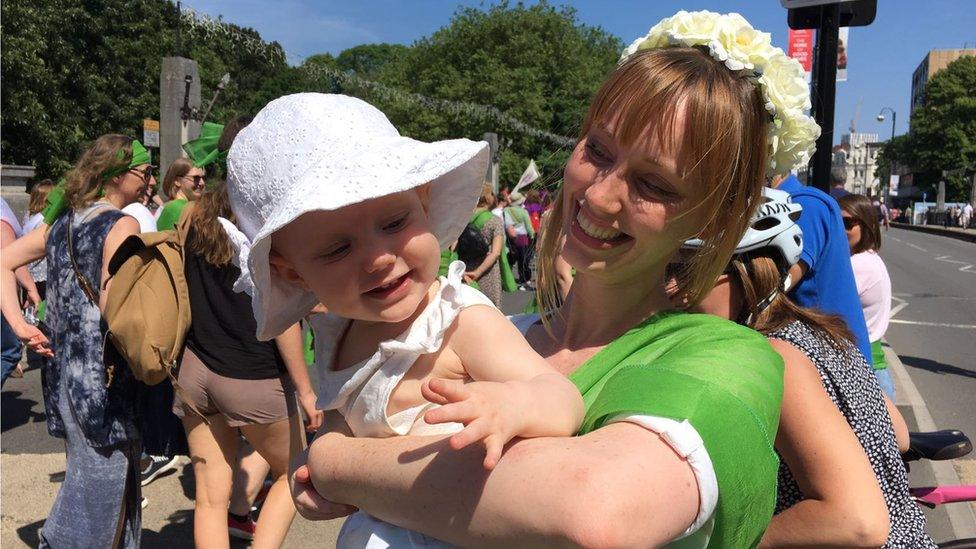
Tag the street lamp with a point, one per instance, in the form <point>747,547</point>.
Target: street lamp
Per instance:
<point>891,169</point>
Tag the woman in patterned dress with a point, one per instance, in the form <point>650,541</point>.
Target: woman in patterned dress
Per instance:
<point>488,274</point>
<point>841,479</point>
<point>89,403</point>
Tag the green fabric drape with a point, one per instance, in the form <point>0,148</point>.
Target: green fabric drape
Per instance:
<point>202,151</point>
<point>722,378</point>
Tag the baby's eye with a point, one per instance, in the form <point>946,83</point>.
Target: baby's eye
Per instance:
<point>335,252</point>
<point>396,224</point>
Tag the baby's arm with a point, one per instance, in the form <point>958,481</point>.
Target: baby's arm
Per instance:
<point>515,393</point>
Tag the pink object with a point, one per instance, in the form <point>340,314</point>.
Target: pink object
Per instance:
<point>939,495</point>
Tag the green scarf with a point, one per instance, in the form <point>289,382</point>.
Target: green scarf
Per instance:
<point>56,201</point>
<point>725,380</point>
<point>203,150</point>
<point>508,278</point>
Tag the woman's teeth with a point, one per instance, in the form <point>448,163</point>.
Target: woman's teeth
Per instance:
<point>603,233</point>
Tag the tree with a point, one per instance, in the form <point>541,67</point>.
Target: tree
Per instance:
<point>75,70</point>
<point>943,134</point>
<point>539,65</point>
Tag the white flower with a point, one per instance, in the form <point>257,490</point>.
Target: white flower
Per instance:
<point>784,83</point>
<point>793,143</point>
<point>697,27</point>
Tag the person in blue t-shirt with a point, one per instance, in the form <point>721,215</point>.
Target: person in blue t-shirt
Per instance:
<point>826,280</point>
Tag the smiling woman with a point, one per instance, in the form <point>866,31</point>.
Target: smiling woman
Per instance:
<point>677,439</point>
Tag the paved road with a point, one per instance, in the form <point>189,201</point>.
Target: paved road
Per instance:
<point>933,328</point>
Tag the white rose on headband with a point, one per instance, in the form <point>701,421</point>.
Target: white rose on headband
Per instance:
<point>794,137</point>
<point>699,27</point>
<point>745,43</point>
<point>785,84</point>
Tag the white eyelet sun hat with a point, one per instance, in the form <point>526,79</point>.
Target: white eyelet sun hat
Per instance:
<point>312,152</point>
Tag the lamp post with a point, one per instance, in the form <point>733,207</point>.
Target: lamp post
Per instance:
<point>891,168</point>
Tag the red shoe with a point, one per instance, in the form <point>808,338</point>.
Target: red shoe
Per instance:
<point>241,530</point>
<point>262,495</point>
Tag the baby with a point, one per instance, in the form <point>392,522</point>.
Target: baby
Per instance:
<point>341,210</point>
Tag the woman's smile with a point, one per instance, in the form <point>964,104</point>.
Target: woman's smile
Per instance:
<point>594,234</point>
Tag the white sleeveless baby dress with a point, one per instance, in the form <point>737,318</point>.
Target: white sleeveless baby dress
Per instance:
<point>362,392</point>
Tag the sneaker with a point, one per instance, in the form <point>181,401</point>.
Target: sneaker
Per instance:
<point>241,529</point>
<point>144,503</point>
<point>158,466</point>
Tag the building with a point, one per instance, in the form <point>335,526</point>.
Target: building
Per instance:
<point>934,61</point>
<point>857,153</point>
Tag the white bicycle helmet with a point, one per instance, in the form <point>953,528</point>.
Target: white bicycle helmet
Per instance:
<point>773,228</point>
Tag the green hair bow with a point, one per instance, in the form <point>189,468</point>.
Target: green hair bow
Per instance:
<point>203,150</point>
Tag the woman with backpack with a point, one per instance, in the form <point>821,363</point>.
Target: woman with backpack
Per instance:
<point>236,381</point>
<point>90,401</point>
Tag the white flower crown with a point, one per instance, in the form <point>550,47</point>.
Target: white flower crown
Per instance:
<point>732,40</point>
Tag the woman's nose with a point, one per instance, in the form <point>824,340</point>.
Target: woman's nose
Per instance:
<point>605,195</point>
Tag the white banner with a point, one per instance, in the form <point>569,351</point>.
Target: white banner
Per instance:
<point>893,185</point>
<point>530,174</point>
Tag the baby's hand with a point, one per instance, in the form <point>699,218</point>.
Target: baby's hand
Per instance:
<point>490,411</point>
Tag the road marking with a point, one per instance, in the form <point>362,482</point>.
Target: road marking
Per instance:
<point>965,266</point>
<point>895,239</point>
<point>901,305</point>
<point>916,247</point>
<point>937,324</point>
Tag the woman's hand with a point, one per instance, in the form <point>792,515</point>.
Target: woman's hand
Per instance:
<point>470,277</point>
<point>313,416</point>
<point>34,338</point>
<point>309,503</point>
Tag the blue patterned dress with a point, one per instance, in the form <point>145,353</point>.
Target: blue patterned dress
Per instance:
<point>97,418</point>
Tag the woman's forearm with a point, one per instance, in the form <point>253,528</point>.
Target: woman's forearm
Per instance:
<point>597,489</point>
<point>293,355</point>
<point>817,523</point>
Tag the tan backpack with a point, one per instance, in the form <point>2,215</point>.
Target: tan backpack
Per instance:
<point>148,304</point>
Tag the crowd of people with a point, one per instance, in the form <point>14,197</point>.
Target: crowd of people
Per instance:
<point>704,367</point>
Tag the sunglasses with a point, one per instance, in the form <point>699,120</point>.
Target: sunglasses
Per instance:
<point>146,173</point>
<point>197,179</point>
<point>849,223</point>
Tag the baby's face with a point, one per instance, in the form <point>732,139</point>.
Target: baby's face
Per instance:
<point>372,261</point>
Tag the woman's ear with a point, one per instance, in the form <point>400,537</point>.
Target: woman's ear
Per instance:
<point>284,269</point>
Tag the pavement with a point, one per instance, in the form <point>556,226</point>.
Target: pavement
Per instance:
<point>935,380</point>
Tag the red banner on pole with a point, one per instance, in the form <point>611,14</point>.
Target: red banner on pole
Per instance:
<point>801,48</point>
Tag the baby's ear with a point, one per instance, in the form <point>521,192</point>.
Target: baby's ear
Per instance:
<point>284,269</point>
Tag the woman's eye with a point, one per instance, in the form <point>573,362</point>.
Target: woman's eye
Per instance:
<point>396,224</point>
<point>652,186</point>
<point>596,152</point>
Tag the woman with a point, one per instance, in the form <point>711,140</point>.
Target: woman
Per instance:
<point>855,494</point>
<point>651,168</point>
<point>89,403</point>
<point>238,382</point>
<point>519,229</point>
<point>488,274</point>
<point>871,277</point>
<point>183,183</point>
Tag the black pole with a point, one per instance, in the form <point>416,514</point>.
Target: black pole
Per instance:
<point>824,88</point>
<point>179,23</point>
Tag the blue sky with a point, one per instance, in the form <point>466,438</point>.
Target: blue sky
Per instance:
<point>881,57</point>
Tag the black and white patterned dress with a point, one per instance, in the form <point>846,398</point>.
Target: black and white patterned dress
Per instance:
<point>855,391</point>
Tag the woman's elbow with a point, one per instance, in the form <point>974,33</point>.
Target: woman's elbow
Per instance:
<point>866,526</point>
<point>607,521</point>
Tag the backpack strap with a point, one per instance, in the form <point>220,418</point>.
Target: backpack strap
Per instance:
<point>86,286</point>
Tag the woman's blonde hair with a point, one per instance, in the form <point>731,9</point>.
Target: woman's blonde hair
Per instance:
<point>83,184</point>
<point>38,196</point>
<point>723,150</point>
<point>758,278</point>
<point>176,170</point>
<point>487,198</point>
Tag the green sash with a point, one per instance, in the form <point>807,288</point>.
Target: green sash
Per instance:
<point>508,279</point>
<point>722,378</point>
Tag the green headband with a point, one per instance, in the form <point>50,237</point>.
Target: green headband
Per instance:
<point>57,203</point>
<point>203,150</point>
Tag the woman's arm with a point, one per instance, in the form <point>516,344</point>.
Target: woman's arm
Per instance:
<point>493,254</point>
<point>26,281</point>
<point>844,505</point>
<point>292,353</point>
<point>898,422</point>
<point>620,485</point>
<point>15,255</point>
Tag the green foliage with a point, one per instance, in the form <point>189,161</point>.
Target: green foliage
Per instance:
<point>943,134</point>
<point>75,70</point>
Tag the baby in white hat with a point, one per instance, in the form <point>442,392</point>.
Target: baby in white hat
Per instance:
<point>342,210</point>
